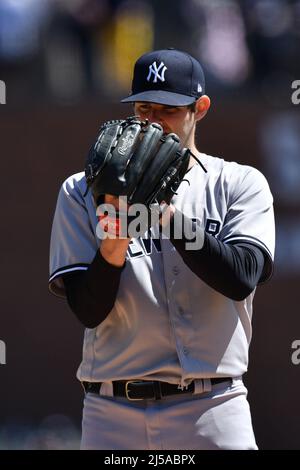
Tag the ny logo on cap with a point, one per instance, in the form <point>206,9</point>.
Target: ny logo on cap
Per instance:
<point>153,69</point>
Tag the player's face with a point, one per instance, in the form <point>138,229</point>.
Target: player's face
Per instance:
<point>178,119</point>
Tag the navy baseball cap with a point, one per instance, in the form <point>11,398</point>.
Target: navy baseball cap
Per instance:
<point>167,76</point>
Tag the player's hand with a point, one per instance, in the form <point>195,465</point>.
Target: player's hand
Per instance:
<point>167,213</point>
<point>113,217</point>
<point>114,249</point>
<point>117,202</point>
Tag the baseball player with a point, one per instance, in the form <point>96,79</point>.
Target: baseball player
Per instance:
<point>167,328</point>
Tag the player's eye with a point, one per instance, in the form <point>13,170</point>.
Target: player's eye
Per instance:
<point>171,110</point>
<point>143,109</point>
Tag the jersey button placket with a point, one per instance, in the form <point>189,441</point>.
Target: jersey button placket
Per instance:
<point>175,270</point>
<point>180,311</point>
<point>174,310</point>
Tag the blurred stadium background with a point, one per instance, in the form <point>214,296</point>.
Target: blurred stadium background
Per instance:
<point>66,64</point>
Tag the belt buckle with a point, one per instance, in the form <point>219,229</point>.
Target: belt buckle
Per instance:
<point>128,391</point>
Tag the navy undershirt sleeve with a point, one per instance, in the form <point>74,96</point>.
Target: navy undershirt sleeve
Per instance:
<point>91,294</point>
<point>233,270</point>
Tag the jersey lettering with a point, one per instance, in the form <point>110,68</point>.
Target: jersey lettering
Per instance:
<point>145,248</point>
<point>212,226</point>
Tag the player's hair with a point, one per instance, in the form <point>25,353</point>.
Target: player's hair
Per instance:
<point>192,107</point>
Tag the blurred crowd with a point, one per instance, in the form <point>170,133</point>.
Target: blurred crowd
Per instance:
<point>54,432</point>
<point>72,51</point>
<point>67,50</point>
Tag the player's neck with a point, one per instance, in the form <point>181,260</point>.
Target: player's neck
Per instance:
<point>195,152</point>
<point>190,143</point>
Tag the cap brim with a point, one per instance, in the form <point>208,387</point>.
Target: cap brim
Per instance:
<point>161,97</point>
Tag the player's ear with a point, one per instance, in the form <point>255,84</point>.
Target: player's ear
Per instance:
<point>202,106</point>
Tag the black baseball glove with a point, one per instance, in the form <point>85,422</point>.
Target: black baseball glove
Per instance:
<point>134,158</point>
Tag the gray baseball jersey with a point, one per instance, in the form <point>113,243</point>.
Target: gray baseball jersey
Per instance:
<point>166,323</point>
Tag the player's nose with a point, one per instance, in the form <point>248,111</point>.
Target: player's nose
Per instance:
<point>155,116</point>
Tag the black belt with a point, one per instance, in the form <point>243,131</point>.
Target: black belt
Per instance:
<point>142,390</point>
